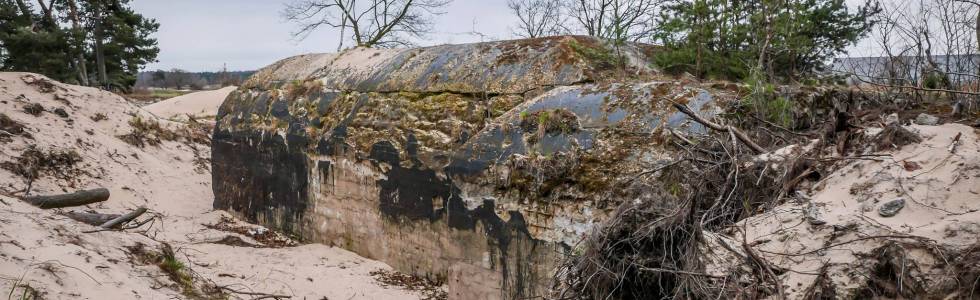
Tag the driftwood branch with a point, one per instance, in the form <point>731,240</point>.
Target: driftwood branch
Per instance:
<point>94,219</point>
<point>78,198</point>
<point>123,218</point>
<point>718,127</point>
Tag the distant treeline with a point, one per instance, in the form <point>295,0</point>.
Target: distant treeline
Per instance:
<point>180,79</point>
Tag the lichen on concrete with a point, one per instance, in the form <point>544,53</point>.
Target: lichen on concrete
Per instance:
<point>486,159</point>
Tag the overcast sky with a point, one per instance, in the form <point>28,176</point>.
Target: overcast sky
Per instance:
<point>201,35</point>
<point>249,34</point>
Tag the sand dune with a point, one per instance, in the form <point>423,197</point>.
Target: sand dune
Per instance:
<point>198,104</point>
<point>59,258</point>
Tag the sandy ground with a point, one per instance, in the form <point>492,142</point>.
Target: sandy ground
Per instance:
<point>941,215</point>
<point>52,254</point>
<point>202,104</point>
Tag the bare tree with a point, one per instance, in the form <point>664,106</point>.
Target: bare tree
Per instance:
<point>371,23</point>
<point>928,38</point>
<point>926,48</point>
<point>179,78</point>
<point>618,20</point>
<point>538,18</point>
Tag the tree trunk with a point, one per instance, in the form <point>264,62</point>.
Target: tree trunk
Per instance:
<point>26,11</point>
<point>80,58</point>
<point>67,200</point>
<point>46,10</point>
<point>699,24</point>
<point>768,17</point>
<point>99,51</point>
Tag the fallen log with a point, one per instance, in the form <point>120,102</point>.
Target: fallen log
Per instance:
<point>78,198</point>
<point>94,219</point>
<point>123,218</point>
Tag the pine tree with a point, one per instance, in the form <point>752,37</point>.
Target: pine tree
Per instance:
<point>64,39</point>
<point>782,38</point>
<point>32,41</point>
<point>122,39</point>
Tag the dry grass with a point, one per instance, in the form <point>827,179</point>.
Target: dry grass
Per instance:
<point>99,117</point>
<point>34,109</point>
<point>893,137</point>
<point>10,128</point>
<point>24,292</point>
<point>149,132</point>
<point>961,278</point>
<point>893,275</point>
<point>429,289</point>
<point>145,97</point>
<point>190,284</point>
<point>32,163</point>
<point>267,237</point>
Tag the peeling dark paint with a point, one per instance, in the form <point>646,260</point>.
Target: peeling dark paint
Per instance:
<point>270,144</point>
<point>407,194</point>
<point>260,177</point>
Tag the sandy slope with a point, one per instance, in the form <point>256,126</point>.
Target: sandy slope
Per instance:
<point>940,218</point>
<point>198,104</point>
<point>50,253</point>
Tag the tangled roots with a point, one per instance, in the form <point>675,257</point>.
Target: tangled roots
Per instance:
<point>642,252</point>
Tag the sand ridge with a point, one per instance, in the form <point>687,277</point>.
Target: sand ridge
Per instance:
<point>53,255</point>
<point>203,104</point>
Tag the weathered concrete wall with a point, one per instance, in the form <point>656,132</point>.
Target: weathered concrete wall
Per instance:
<point>476,164</point>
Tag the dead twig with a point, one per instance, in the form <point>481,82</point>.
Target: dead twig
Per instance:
<point>647,172</point>
<point>792,183</point>
<point>956,141</point>
<point>908,87</point>
<point>762,265</point>
<point>124,218</point>
<point>718,127</point>
<point>845,243</point>
<point>680,137</point>
<point>680,272</point>
<point>787,130</point>
<point>257,294</point>
<point>114,224</point>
